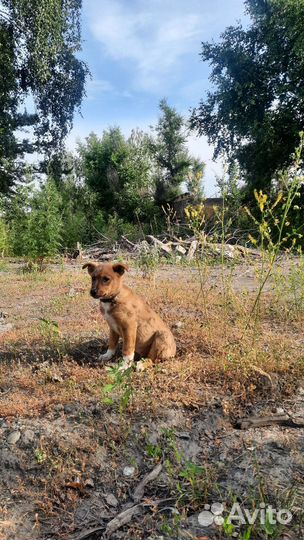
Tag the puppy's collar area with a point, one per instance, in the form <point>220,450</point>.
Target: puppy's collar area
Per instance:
<point>109,299</point>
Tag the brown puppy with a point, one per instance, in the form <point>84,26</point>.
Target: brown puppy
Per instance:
<point>128,316</point>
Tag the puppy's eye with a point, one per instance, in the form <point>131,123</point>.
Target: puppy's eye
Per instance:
<point>105,280</point>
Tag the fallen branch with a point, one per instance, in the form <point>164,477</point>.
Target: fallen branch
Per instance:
<point>121,519</point>
<point>139,491</point>
<point>128,242</point>
<point>125,517</point>
<point>90,532</point>
<point>261,421</point>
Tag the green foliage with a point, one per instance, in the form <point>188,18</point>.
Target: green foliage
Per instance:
<point>43,237</point>
<point>119,172</point>
<point>148,260</point>
<point>136,197</point>
<point>116,227</point>
<point>17,216</point>
<point>34,221</point>
<point>170,153</point>
<point>120,390</point>
<point>80,219</point>
<point>154,451</point>
<point>101,160</point>
<point>235,219</point>
<point>274,233</point>
<point>40,456</point>
<point>194,180</point>
<point>3,231</point>
<point>255,111</point>
<point>38,44</point>
<point>3,237</point>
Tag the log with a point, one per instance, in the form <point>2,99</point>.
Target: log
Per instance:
<point>192,249</point>
<point>180,249</point>
<point>261,421</point>
<point>163,247</point>
<point>127,242</point>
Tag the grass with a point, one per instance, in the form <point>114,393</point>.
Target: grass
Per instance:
<point>215,353</point>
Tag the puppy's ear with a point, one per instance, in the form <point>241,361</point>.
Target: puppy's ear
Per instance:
<point>90,266</point>
<point>120,268</point>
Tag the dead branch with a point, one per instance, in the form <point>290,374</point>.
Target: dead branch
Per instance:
<point>122,519</point>
<point>139,491</point>
<point>260,421</point>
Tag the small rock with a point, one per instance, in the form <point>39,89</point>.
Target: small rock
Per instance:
<point>142,365</point>
<point>28,437</point>
<point>59,408</point>
<point>178,324</point>
<point>6,327</point>
<point>89,483</point>
<point>111,500</point>
<point>70,409</point>
<point>55,378</point>
<point>13,437</point>
<point>101,458</point>
<point>72,292</point>
<point>8,460</point>
<point>183,435</point>
<point>129,471</point>
<point>280,410</point>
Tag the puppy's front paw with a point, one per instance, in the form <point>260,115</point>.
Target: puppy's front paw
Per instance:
<point>107,355</point>
<point>127,362</point>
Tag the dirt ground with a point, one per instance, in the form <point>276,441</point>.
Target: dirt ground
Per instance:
<point>77,439</point>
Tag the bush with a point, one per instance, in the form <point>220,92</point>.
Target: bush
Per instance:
<point>43,238</point>
<point>3,238</point>
<point>116,227</point>
<point>34,222</point>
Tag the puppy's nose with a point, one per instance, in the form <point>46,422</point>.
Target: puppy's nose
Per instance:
<point>93,293</point>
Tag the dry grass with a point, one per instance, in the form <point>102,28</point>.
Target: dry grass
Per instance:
<point>55,321</point>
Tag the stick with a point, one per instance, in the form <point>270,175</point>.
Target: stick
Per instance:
<point>139,491</point>
<point>121,519</point>
<point>260,421</point>
<point>89,533</point>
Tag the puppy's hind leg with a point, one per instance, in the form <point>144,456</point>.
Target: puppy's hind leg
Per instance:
<point>163,346</point>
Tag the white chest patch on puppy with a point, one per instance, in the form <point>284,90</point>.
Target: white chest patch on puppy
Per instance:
<point>108,317</point>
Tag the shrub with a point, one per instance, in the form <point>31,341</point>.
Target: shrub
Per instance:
<point>43,237</point>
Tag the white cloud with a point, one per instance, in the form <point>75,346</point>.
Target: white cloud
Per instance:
<point>96,87</point>
<point>154,35</point>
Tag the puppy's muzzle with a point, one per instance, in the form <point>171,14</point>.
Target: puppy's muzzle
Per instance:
<point>94,293</point>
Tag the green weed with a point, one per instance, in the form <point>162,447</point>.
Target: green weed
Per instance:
<point>120,390</point>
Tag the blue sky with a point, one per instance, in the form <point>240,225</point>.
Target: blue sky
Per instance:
<point>140,51</point>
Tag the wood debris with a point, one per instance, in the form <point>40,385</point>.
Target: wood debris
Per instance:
<point>168,246</point>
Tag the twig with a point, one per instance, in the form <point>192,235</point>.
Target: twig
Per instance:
<point>139,491</point>
<point>122,519</point>
<point>89,533</point>
<point>260,421</point>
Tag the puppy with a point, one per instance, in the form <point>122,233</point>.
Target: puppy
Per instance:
<point>128,316</point>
